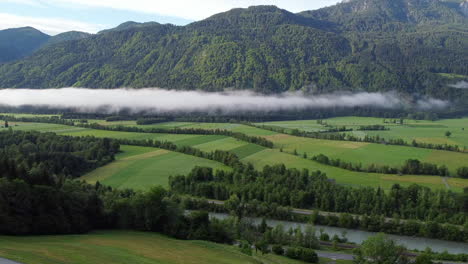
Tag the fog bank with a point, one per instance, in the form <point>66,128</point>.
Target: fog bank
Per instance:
<point>460,85</point>
<point>163,101</point>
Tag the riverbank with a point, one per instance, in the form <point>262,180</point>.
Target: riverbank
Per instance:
<point>359,236</point>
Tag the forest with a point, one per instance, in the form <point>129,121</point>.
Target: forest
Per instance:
<point>37,193</point>
<point>267,50</point>
<point>189,131</point>
<point>36,198</point>
<point>313,190</point>
<point>410,167</point>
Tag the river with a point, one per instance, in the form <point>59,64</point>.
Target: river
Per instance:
<point>358,236</point>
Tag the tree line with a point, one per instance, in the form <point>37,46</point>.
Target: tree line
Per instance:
<point>373,128</point>
<point>151,120</point>
<point>302,189</point>
<point>35,155</point>
<point>368,139</point>
<point>37,195</point>
<point>371,221</point>
<point>225,157</point>
<point>192,131</point>
<point>38,119</point>
<point>410,167</point>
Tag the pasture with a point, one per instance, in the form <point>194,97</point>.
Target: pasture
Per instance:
<point>140,168</point>
<point>419,130</point>
<point>124,247</point>
<point>259,156</point>
<point>368,153</point>
<point>356,152</point>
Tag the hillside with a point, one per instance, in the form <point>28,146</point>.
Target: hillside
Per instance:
<point>385,15</point>
<point>20,42</point>
<point>128,25</point>
<point>412,46</point>
<point>17,43</point>
<point>120,247</point>
<point>66,36</point>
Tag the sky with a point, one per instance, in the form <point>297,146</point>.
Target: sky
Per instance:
<point>57,16</point>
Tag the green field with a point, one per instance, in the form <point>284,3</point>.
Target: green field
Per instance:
<point>419,130</point>
<point>368,153</point>
<point>365,153</point>
<point>141,168</point>
<point>26,115</point>
<point>356,152</point>
<point>351,178</point>
<point>254,154</point>
<point>125,247</point>
<point>227,126</point>
<point>202,142</point>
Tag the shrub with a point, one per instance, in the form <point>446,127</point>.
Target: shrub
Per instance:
<point>304,254</point>
<point>278,249</point>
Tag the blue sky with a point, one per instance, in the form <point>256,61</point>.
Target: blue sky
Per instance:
<point>56,16</point>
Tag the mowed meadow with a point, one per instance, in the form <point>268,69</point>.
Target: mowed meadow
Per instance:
<point>124,247</point>
<point>139,167</point>
<point>419,130</point>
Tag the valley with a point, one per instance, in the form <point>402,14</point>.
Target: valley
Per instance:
<point>260,156</point>
<point>174,132</point>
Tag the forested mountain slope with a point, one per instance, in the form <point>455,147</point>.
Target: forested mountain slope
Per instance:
<point>374,45</point>
<point>17,43</point>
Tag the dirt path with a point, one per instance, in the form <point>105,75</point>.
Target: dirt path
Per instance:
<point>444,179</point>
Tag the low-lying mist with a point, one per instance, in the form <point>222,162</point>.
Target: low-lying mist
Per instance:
<point>460,85</point>
<point>154,100</point>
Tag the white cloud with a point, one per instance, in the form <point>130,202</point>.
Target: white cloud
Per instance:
<point>26,2</point>
<point>51,26</point>
<point>191,9</point>
<point>159,100</point>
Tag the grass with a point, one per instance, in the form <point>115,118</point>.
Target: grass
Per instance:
<point>124,247</point>
<point>227,143</point>
<point>365,153</point>
<point>420,130</point>
<point>259,157</point>
<point>247,150</point>
<point>227,126</point>
<point>18,115</point>
<point>140,168</point>
<point>350,178</point>
<point>452,75</point>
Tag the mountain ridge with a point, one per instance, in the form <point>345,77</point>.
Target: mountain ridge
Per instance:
<point>17,43</point>
<point>267,50</point>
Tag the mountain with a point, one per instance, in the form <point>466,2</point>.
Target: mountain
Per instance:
<point>66,36</point>
<point>129,25</point>
<point>386,15</point>
<point>17,43</point>
<point>412,46</point>
<point>20,42</point>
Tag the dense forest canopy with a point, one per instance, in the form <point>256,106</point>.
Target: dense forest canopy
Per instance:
<point>40,158</point>
<point>17,43</point>
<point>302,189</point>
<point>37,195</point>
<point>374,45</point>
